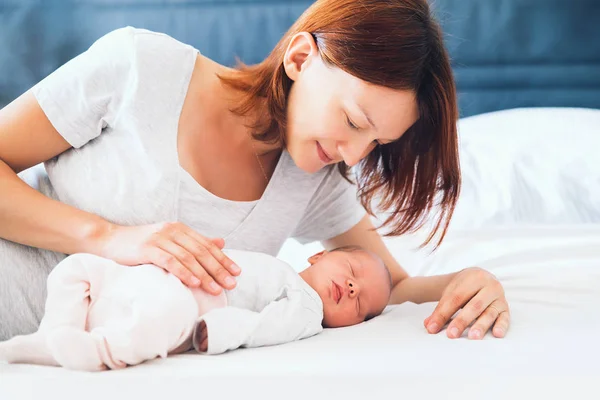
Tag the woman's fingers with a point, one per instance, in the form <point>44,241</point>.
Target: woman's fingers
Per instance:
<point>197,261</point>
<point>202,256</point>
<point>214,246</point>
<point>426,322</point>
<point>206,254</point>
<point>485,321</point>
<point>219,242</point>
<point>167,261</point>
<point>502,323</point>
<point>453,299</point>
<point>481,301</point>
<point>479,304</point>
<point>182,252</point>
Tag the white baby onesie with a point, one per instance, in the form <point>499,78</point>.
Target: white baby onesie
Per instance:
<point>270,305</point>
<point>101,315</point>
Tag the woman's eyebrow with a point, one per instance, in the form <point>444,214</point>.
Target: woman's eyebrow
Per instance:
<point>362,110</point>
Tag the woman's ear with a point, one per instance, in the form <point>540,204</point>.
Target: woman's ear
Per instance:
<point>315,257</point>
<point>301,48</point>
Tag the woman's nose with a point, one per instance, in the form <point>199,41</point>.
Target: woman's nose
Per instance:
<point>353,288</point>
<point>354,150</point>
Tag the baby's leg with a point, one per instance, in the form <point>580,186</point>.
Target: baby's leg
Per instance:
<point>66,307</point>
<point>122,332</point>
<point>109,319</point>
<point>158,320</point>
<point>67,313</point>
<point>27,349</point>
<point>146,333</point>
<point>68,298</point>
<point>75,349</point>
<point>61,347</point>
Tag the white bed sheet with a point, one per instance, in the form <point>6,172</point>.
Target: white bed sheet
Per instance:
<point>552,279</point>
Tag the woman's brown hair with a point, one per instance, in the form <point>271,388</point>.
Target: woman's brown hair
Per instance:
<point>391,43</point>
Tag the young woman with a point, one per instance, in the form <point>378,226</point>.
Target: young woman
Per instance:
<point>156,154</point>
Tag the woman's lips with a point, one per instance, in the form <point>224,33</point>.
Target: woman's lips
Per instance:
<point>322,155</point>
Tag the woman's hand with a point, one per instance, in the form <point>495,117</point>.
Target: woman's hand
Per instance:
<point>482,300</point>
<point>196,260</point>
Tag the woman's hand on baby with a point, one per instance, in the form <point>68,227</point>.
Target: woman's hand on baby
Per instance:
<point>483,303</point>
<point>196,260</point>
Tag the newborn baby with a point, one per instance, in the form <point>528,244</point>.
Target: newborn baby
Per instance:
<point>100,314</point>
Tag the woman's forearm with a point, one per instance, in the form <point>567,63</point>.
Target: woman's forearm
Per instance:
<point>30,218</point>
<point>420,289</point>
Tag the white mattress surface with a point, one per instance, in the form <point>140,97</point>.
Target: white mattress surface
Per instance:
<point>551,275</point>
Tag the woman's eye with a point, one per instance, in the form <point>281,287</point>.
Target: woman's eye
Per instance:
<point>350,123</point>
<point>355,127</point>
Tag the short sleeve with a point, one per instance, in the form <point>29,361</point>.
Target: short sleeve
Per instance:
<point>83,96</point>
<point>333,210</point>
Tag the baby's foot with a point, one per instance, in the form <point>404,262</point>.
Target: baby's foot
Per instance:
<point>5,352</point>
<point>26,349</point>
<point>74,349</point>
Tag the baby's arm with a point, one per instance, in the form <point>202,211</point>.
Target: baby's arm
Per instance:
<point>292,317</point>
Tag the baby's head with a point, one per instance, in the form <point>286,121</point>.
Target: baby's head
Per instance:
<point>354,285</point>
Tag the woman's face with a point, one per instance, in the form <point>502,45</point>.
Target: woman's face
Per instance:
<point>334,116</point>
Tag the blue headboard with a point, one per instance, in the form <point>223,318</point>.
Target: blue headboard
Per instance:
<point>523,53</point>
<point>506,53</point>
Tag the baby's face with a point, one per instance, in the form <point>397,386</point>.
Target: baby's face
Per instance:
<point>353,285</point>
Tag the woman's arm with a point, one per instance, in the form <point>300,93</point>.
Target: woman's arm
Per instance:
<point>476,291</point>
<point>27,138</point>
<point>414,289</point>
<point>28,217</point>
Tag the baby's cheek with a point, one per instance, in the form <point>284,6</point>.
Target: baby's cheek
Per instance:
<point>336,317</point>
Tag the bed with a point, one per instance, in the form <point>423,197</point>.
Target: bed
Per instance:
<point>551,276</point>
<point>529,81</point>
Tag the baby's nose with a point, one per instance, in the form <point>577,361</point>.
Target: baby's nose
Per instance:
<point>353,289</point>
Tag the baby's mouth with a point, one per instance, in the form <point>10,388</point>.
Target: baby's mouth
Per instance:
<point>336,292</point>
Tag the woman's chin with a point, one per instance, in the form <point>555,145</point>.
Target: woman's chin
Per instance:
<point>307,165</point>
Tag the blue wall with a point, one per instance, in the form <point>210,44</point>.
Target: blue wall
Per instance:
<point>506,53</point>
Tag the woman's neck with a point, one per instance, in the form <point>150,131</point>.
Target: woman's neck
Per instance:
<point>241,125</point>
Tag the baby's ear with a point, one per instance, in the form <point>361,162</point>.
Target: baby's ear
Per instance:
<point>315,257</point>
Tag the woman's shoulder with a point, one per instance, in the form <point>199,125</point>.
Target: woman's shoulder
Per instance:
<point>142,43</point>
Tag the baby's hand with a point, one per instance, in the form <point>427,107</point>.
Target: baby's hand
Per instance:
<point>201,339</point>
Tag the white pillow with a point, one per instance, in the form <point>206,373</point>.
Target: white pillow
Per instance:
<point>529,166</point>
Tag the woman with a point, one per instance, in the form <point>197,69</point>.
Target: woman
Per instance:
<point>156,154</point>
